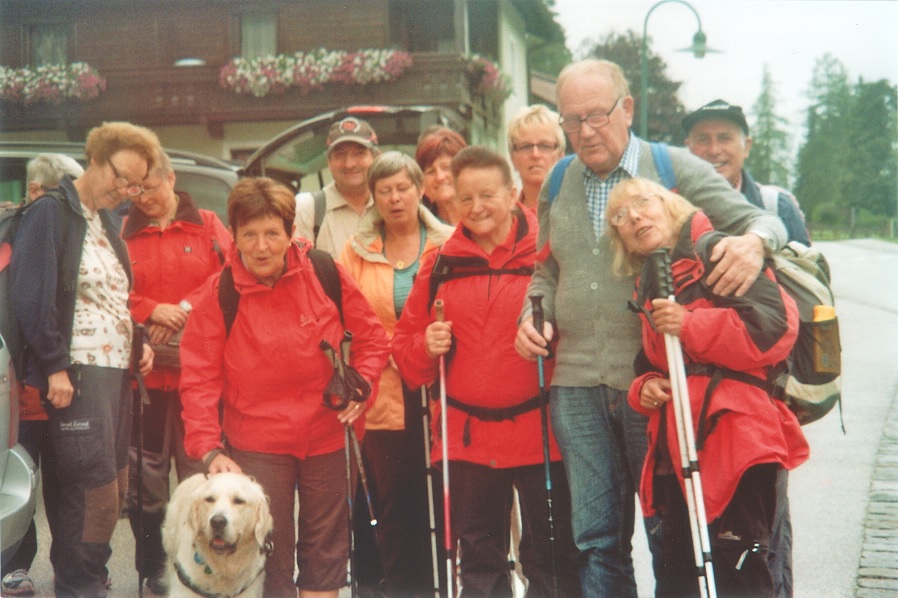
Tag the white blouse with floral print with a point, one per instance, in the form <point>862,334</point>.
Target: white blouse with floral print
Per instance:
<point>101,334</point>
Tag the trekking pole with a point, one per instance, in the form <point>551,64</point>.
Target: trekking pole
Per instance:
<point>356,447</point>
<point>444,432</point>
<point>536,302</point>
<point>425,406</point>
<point>343,401</point>
<point>142,399</point>
<point>695,502</point>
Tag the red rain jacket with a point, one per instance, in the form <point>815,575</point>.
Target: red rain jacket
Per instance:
<point>172,264</point>
<point>270,373</point>
<point>483,368</point>
<point>747,334</point>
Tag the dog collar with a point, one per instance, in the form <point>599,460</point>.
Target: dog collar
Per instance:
<point>190,585</point>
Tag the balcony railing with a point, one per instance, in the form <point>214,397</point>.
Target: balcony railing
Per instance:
<point>192,95</point>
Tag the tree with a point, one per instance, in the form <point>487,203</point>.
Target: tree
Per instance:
<point>546,48</point>
<point>870,180</point>
<point>820,159</point>
<point>665,111</point>
<point>769,158</point>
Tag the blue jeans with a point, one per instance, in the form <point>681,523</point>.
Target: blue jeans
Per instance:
<point>603,443</point>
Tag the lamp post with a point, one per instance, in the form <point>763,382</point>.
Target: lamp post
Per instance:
<point>699,48</point>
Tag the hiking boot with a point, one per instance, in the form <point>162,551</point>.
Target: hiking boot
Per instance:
<point>17,583</point>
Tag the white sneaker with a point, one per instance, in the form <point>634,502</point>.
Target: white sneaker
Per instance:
<point>17,583</point>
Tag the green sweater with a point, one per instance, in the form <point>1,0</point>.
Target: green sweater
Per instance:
<point>598,337</point>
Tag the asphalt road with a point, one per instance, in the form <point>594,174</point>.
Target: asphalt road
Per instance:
<point>828,494</point>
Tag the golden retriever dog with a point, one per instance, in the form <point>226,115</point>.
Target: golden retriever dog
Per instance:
<point>217,535</point>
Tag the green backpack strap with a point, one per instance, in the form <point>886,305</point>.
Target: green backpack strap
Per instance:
<point>325,269</point>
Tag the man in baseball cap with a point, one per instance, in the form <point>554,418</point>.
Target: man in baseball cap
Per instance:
<point>351,148</point>
<point>718,133</point>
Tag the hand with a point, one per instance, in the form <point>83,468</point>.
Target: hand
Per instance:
<point>170,315</point>
<point>668,316</point>
<point>146,360</point>
<point>438,339</point>
<point>352,412</point>
<point>222,464</point>
<point>738,262</point>
<point>528,342</point>
<point>60,390</point>
<point>159,334</point>
<point>654,393</point>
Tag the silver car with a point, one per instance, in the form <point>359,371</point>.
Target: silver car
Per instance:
<point>18,474</point>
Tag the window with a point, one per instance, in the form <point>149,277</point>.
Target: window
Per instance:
<point>48,44</point>
<point>258,35</point>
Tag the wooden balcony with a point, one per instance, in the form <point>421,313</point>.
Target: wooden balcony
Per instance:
<point>192,95</point>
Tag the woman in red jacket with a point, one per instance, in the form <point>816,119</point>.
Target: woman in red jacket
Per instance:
<point>174,247</point>
<point>493,431</point>
<point>743,435</point>
<point>270,376</point>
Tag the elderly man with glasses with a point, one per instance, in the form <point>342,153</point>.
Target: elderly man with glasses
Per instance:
<point>602,439</point>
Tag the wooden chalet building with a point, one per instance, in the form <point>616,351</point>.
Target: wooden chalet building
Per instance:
<point>162,62</point>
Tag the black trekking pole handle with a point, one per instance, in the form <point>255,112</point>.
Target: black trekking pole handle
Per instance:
<point>660,259</point>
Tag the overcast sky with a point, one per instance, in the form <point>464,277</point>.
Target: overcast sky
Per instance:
<point>787,35</point>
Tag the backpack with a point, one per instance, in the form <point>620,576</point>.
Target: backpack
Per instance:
<point>659,154</point>
<point>322,263</point>
<point>809,381</point>
<point>10,217</point>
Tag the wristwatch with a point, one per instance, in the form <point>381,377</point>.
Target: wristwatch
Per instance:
<point>185,305</point>
<point>768,240</point>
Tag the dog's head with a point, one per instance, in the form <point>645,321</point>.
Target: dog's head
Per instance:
<point>229,510</point>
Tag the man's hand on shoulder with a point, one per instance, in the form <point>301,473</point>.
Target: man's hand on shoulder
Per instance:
<point>738,263</point>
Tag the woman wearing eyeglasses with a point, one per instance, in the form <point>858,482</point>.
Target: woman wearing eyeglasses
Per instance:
<point>535,143</point>
<point>743,435</point>
<point>70,279</point>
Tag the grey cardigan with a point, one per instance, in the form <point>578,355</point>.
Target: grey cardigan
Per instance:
<point>598,337</point>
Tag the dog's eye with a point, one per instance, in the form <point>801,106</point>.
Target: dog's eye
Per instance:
<point>210,499</point>
<point>239,501</point>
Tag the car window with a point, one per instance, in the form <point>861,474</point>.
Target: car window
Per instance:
<point>12,179</point>
<point>207,192</point>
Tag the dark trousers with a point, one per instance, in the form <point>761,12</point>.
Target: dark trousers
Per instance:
<point>34,435</point>
<point>90,441</point>
<point>481,499</point>
<point>163,439</point>
<point>739,538</point>
<point>780,555</point>
<point>400,560</point>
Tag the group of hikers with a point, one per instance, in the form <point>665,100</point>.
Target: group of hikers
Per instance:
<point>471,331</point>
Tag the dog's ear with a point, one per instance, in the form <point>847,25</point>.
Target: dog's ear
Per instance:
<point>264,522</point>
<point>195,520</point>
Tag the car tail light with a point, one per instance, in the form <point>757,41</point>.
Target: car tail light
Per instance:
<point>13,405</point>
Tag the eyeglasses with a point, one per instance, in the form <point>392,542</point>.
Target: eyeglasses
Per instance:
<point>121,182</point>
<point>572,123</point>
<point>638,205</point>
<point>151,190</point>
<point>543,148</point>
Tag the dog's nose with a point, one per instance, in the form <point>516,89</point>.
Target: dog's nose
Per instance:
<point>218,522</point>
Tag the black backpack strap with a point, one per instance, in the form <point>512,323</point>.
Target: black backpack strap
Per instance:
<point>228,298</point>
<point>449,267</point>
<point>325,269</point>
<point>320,207</point>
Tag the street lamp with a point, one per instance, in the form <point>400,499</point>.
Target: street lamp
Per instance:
<point>698,48</point>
